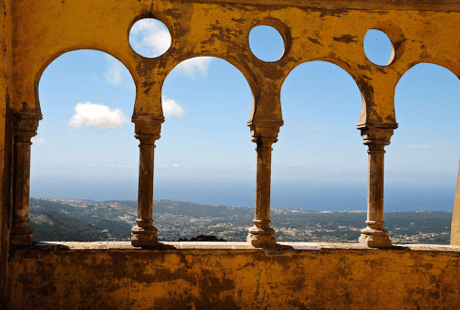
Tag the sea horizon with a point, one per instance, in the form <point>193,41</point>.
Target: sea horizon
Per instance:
<point>320,196</point>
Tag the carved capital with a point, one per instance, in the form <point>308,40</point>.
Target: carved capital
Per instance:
<point>376,137</point>
<point>25,125</point>
<point>265,132</point>
<point>147,128</point>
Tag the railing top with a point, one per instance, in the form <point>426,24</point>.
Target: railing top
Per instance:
<point>286,247</point>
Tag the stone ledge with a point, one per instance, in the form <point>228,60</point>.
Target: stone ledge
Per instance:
<point>283,246</point>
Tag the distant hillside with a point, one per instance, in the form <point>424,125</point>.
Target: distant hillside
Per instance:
<point>85,220</point>
<point>58,226</point>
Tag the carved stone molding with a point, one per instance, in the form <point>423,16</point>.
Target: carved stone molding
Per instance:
<point>377,136</point>
<point>147,128</point>
<point>25,125</point>
<point>265,129</point>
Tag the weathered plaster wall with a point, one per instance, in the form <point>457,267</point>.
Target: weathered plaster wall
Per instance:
<point>34,33</point>
<point>235,276</point>
<point>5,139</point>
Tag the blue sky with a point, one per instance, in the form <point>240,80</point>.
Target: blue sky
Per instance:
<point>85,147</point>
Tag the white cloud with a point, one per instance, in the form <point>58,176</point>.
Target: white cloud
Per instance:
<point>176,165</point>
<point>98,116</point>
<point>171,108</point>
<point>114,74</point>
<point>150,38</point>
<point>193,66</point>
<point>421,146</point>
<point>38,141</point>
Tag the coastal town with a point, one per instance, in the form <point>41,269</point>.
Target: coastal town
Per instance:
<point>85,220</point>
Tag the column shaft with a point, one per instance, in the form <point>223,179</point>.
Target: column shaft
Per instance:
<point>21,233</point>
<point>261,234</point>
<point>144,234</point>
<point>375,186</point>
<point>145,195</point>
<point>262,201</point>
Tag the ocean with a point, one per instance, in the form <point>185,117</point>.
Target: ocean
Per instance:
<point>308,195</point>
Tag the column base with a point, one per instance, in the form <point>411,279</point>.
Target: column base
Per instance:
<point>22,236</point>
<point>144,237</point>
<point>261,237</point>
<point>374,238</point>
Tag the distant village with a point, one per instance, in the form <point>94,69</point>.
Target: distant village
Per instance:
<point>84,220</point>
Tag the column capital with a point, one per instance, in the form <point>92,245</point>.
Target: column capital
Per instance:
<point>25,125</point>
<point>265,132</point>
<point>147,128</point>
<point>377,136</point>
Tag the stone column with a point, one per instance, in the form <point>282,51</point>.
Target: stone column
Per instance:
<point>25,126</point>
<point>147,129</point>
<point>374,235</point>
<point>261,234</point>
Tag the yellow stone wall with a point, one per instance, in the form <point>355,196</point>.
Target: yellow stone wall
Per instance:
<point>5,140</point>
<point>34,33</point>
<point>234,276</point>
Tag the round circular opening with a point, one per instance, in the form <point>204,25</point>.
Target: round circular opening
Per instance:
<point>266,43</point>
<point>149,38</point>
<point>378,47</point>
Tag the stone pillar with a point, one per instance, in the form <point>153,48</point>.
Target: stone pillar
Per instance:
<point>147,130</point>
<point>25,126</point>
<point>264,134</point>
<point>374,235</point>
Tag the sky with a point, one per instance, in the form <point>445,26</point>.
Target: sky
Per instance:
<point>85,146</point>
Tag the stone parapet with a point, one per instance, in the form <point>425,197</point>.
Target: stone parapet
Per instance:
<point>232,275</point>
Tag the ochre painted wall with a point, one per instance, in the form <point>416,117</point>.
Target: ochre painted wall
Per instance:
<point>234,276</point>
<point>34,33</point>
<point>5,140</point>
